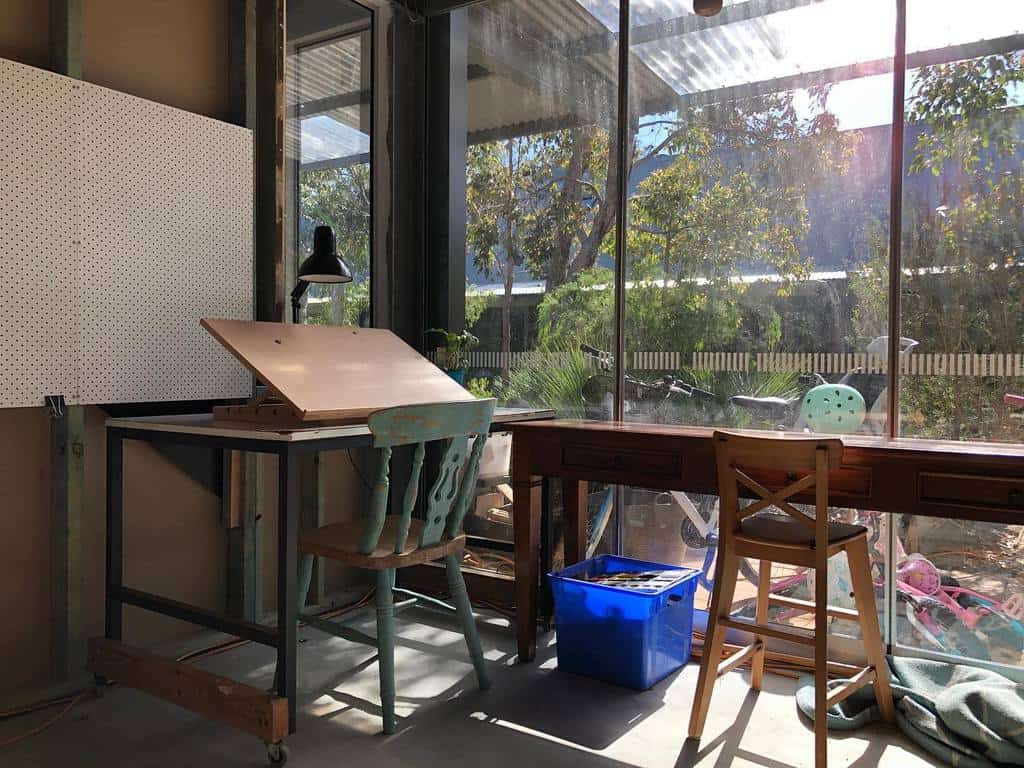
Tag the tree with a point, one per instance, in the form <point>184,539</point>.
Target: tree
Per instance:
<point>963,266</point>
<point>724,187</point>
<point>339,198</point>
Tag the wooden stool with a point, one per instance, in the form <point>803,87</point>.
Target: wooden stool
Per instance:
<point>796,539</point>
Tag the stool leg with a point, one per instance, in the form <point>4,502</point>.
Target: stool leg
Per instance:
<point>764,579</point>
<point>864,597</point>
<point>464,609</point>
<point>386,647</point>
<point>726,571</point>
<point>821,659</point>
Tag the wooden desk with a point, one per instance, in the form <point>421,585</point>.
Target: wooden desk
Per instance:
<point>967,481</point>
<point>270,716</point>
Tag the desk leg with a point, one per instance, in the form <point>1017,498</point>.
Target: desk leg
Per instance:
<point>574,510</point>
<point>115,532</point>
<point>526,514</point>
<point>288,502</point>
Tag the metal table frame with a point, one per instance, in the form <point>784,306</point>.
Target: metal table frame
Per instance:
<point>288,446</point>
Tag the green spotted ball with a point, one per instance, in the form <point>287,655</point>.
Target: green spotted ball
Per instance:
<point>834,409</point>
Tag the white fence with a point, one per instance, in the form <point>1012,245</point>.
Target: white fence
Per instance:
<point>1007,365</point>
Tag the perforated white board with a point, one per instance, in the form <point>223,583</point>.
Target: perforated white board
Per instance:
<point>37,264</point>
<point>150,229</point>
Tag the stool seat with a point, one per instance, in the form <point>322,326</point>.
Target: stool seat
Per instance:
<point>783,529</point>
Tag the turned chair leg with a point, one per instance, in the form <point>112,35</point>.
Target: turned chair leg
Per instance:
<point>714,638</point>
<point>386,647</point>
<point>457,588</point>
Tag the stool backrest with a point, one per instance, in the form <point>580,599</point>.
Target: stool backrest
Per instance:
<point>453,424</point>
<point>805,461</point>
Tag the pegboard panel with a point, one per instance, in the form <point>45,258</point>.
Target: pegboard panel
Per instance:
<point>122,223</point>
<point>37,252</point>
<point>165,201</point>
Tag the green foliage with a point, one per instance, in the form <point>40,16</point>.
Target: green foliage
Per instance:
<point>476,303</point>
<point>963,275</point>
<point>481,388</point>
<point>453,354</point>
<point>339,198</point>
<point>540,383</point>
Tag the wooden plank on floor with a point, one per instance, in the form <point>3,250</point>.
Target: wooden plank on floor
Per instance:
<point>212,696</point>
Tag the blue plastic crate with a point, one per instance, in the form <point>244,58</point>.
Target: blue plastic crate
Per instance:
<point>632,636</point>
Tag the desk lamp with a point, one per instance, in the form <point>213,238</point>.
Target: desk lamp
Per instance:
<point>322,266</point>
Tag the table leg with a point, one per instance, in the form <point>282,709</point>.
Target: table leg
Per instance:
<point>115,533</point>
<point>547,551</point>
<point>288,502</point>
<point>526,514</point>
<point>574,515</point>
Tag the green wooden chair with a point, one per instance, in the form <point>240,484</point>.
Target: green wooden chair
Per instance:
<point>386,542</point>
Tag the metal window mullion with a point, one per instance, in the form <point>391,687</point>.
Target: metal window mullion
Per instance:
<point>895,274</point>
<point>622,142</point>
<point>899,74</point>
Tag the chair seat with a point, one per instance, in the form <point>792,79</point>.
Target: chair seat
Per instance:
<point>783,529</point>
<point>340,542</point>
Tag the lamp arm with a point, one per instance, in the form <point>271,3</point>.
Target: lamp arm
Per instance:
<point>298,292</point>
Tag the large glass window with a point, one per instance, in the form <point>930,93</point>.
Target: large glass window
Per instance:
<point>540,198</point>
<point>757,275</point>
<point>328,180</point>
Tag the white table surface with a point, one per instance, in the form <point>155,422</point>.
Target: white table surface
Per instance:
<point>203,424</point>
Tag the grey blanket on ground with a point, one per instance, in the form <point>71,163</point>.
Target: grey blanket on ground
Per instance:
<point>965,716</point>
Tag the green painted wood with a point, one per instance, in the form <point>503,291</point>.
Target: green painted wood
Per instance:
<point>378,503</point>
<point>386,647</point>
<point>464,609</point>
<point>411,494</point>
<point>441,499</point>
<point>408,424</point>
<point>467,490</point>
<point>66,37</point>
<point>338,630</point>
<point>67,499</point>
<point>450,496</point>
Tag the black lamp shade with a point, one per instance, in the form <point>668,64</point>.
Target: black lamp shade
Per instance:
<point>324,265</point>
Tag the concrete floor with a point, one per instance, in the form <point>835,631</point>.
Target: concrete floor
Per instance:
<point>533,716</point>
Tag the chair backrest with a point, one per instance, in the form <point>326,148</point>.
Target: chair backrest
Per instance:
<point>454,424</point>
<point>805,461</point>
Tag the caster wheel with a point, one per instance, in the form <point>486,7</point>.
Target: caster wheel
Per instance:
<point>277,753</point>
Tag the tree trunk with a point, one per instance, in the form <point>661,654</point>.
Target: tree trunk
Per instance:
<point>506,310</point>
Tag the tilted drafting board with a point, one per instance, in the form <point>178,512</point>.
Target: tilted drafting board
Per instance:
<point>122,223</point>
<point>329,373</point>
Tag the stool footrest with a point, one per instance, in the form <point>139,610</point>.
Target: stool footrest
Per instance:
<point>770,629</point>
<point>736,658</point>
<point>863,678</point>
<point>807,606</point>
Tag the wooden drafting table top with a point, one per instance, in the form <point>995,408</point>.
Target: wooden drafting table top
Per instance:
<point>204,424</point>
<point>335,373</point>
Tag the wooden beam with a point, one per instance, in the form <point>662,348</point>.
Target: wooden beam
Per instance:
<point>212,696</point>
<point>268,122</point>
<point>66,37</point>
<point>67,480</point>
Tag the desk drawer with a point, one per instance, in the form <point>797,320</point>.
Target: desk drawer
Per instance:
<point>972,490</point>
<point>847,481</point>
<point>603,459</point>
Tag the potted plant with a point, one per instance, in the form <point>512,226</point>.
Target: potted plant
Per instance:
<point>453,355</point>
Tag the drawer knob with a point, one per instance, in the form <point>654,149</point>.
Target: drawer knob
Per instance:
<point>1015,497</point>
<point>617,462</point>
